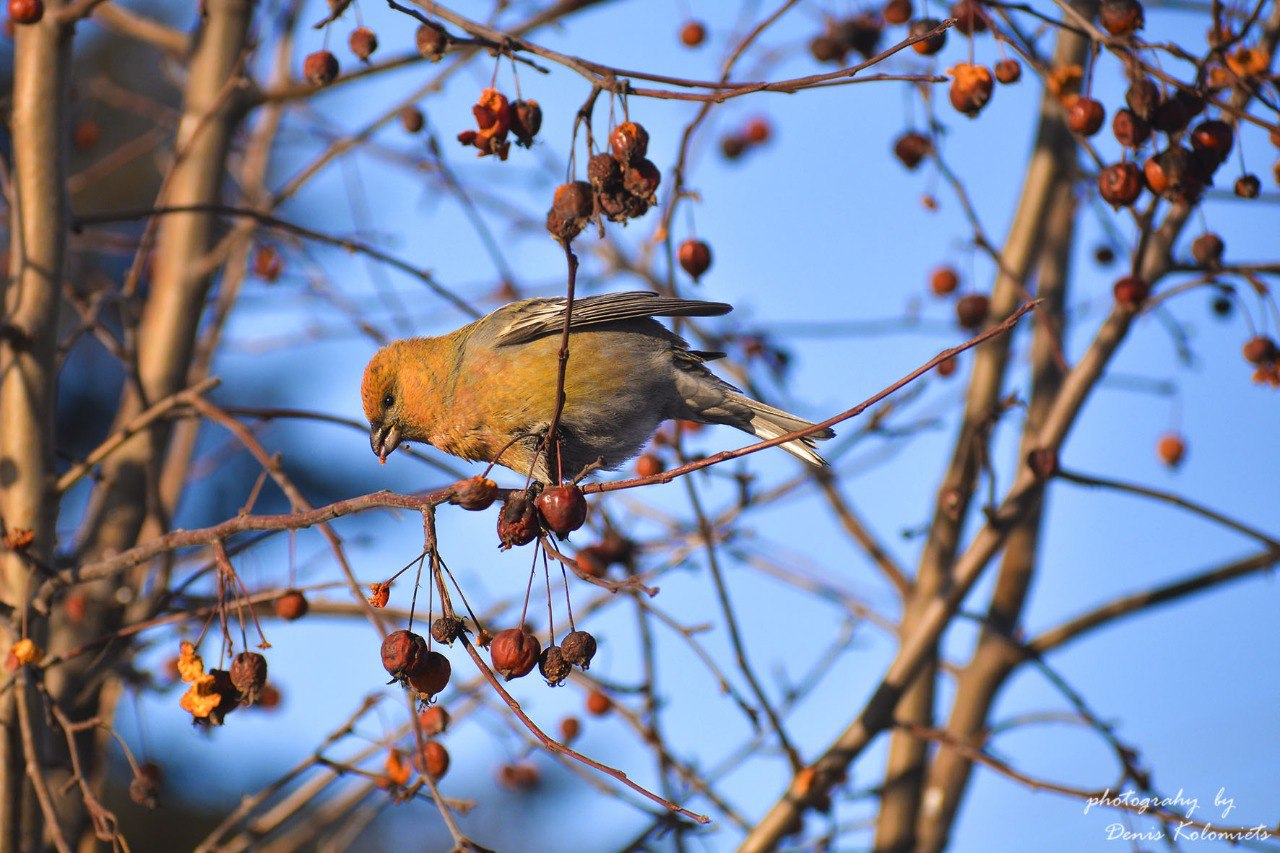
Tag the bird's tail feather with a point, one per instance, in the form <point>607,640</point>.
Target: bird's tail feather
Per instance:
<point>768,422</point>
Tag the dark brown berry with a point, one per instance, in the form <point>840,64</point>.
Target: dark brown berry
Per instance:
<point>1085,116</point>
<point>518,521</point>
<point>1176,112</point>
<point>931,45</point>
<point>693,33</point>
<point>733,146</point>
<point>1171,448</point>
<point>291,606</point>
<point>520,777</point>
<point>570,727</point>
<point>1008,71</point>
<point>1221,306</point>
<point>827,48</point>
<point>970,17</point>
<point>1248,186</point>
<point>475,493</point>
<point>578,648</point>
<point>603,172</point>
<point>563,508</point>
<point>249,675</point>
<point>971,310</point>
<point>433,720</point>
<point>1104,255</point>
<point>143,790</point>
<point>1043,462</point>
<point>363,42</point>
<point>861,33</point>
<point>641,179</point>
<point>514,653</point>
<point>320,68</point>
<point>554,668</point>
<point>911,148</point>
<point>404,654</point>
<point>1129,130</point>
<point>944,280</point>
<point>1143,98</point>
<point>1121,17</point>
<point>897,12</point>
<point>433,677</point>
<point>1120,184</point>
<point>432,41</point>
<point>629,142</point>
<point>526,121</point>
<point>1171,174</point>
<point>573,201</point>
<point>615,548</point>
<point>412,120</point>
<point>591,561</point>
<point>446,629</point>
<point>694,257</point>
<point>26,11</point>
<point>1131,292</point>
<point>1261,350</point>
<point>1207,249</point>
<point>267,263</point>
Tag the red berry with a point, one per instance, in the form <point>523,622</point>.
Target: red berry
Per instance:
<point>970,18</point>
<point>971,311</point>
<point>1207,249</point>
<point>432,40</point>
<point>1261,350</point>
<point>1129,130</point>
<point>598,703</point>
<point>1121,17</point>
<point>291,606</point>
<point>1248,186</point>
<point>1214,136</point>
<point>1008,71</point>
<point>911,148</point>
<point>433,720</point>
<point>1085,116</point>
<point>943,281</point>
<point>85,134</point>
<point>514,653</point>
<point>363,42</point>
<point>693,33</point>
<point>948,367</point>
<point>629,141</point>
<point>412,119</point>
<point>758,131</point>
<point>518,521</point>
<point>475,493</point>
<point>971,87</point>
<point>433,759</point>
<point>404,654</point>
<point>897,12</point>
<point>1131,292</point>
<point>563,508</point>
<point>433,676</point>
<point>1171,448</point>
<point>569,729</point>
<point>320,68</point>
<point>694,257</point>
<point>648,465</point>
<point>26,11</point>
<point>1120,184</point>
<point>931,45</point>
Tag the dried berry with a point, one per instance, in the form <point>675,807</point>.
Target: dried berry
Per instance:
<point>446,629</point>
<point>475,493</point>
<point>971,310</point>
<point>578,648</point>
<point>573,201</point>
<point>693,33</point>
<point>554,668</point>
<point>1085,116</point>
<point>144,789</point>
<point>861,34</point>
<point>897,12</point>
<point>1043,462</point>
<point>1143,98</point>
<point>520,777</point>
<point>518,521</point>
<point>514,653</point>
<point>379,594</point>
<point>1120,17</point>
<point>570,728</point>
<point>291,606</point>
<point>1261,350</point>
<point>1171,175</point>
<point>970,18</point>
<point>320,68</point>
<point>733,146</point>
<point>493,119</point>
<point>433,760</point>
<point>971,87</point>
<point>1174,113</point>
<point>526,121</point>
<point>433,720</point>
<point>591,561</point>
<point>363,42</point>
<point>26,11</point>
<point>267,263</point>
<point>1129,130</point>
<point>1120,184</point>
<point>930,45</point>
<point>1248,186</point>
<point>694,257</point>
<point>433,676</point>
<point>1214,136</point>
<point>432,41</point>
<point>604,173</point>
<point>563,508</point>
<point>1221,306</point>
<point>598,703</point>
<point>1171,448</point>
<point>911,148</point>
<point>1008,71</point>
<point>249,675</point>
<point>944,280</point>
<point>404,654</point>
<point>1131,292</point>
<point>629,142</point>
<point>827,48</point>
<point>615,548</point>
<point>641,179</point>
<point>1207,249</point>
<point>412,119</point>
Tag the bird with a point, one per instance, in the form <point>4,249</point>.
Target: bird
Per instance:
<point>487,391</point>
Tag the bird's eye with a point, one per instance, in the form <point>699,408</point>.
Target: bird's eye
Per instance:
<point>388,401</point>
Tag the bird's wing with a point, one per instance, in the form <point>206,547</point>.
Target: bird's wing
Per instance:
<point>537,317</point>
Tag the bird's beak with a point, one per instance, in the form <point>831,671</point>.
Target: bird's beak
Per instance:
<point>384,438</point>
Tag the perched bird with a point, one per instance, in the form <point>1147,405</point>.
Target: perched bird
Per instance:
<point>487,391</point>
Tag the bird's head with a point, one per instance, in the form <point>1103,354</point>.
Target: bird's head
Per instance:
<point>383,396</point>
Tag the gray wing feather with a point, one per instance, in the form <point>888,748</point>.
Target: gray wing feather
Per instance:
<point>535,318</point>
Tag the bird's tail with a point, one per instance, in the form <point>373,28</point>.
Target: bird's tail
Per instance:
<point>768,422</point>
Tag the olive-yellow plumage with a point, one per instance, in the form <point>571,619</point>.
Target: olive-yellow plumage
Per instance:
<point>486,391</point>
